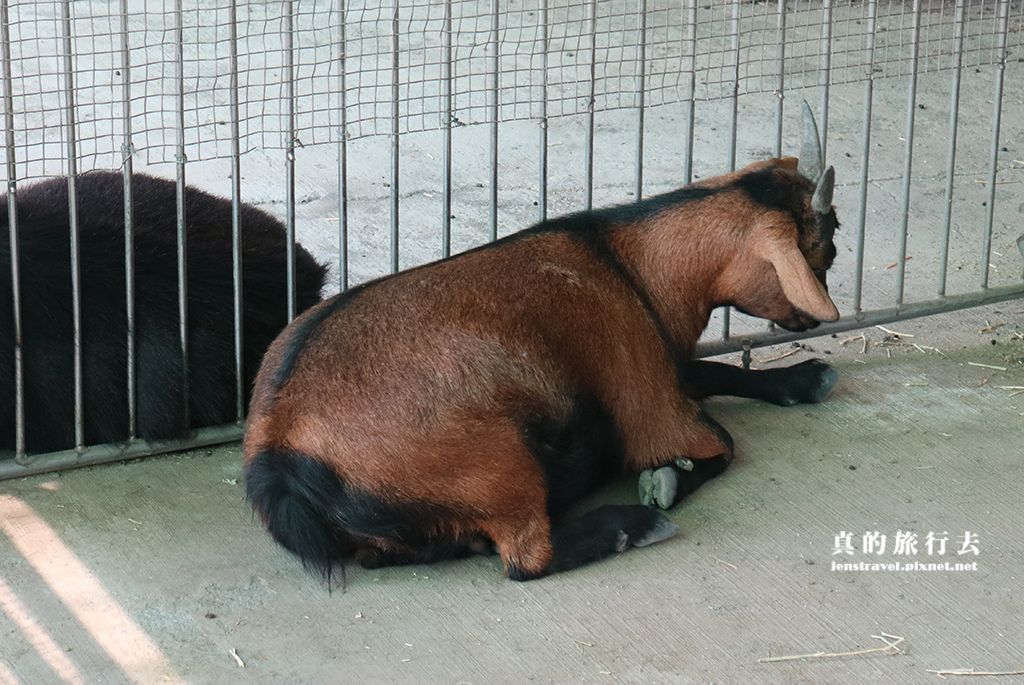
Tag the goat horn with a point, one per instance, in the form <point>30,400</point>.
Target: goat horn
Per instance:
<point>811,164</point>
<point>822,200</point>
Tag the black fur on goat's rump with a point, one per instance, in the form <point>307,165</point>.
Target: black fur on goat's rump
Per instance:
<point>314,514</point>
<point>44,247</point>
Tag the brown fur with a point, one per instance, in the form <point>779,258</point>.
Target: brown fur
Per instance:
<point>417,388</point>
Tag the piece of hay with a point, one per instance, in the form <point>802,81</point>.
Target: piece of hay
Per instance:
<point>782,356</point>
<point>891,649</point>
<point>971,671</point>
<point>900,335</point>
<point>986,366</point>
<point>862,338</point>
<point>897,263</point>
<point>998,183</point>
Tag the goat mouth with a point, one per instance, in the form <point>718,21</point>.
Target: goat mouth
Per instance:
<point>799,322</point>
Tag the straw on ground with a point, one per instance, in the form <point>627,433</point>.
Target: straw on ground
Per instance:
<point>891,649</point>
<point>971,671</point>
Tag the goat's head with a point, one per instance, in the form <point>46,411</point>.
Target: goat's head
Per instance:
<point>778,272</point>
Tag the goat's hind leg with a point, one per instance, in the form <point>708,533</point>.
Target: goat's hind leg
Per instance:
<point>533,551</point>
<point>605,531</point>
<point>533,545</point>
<point>808,382</point>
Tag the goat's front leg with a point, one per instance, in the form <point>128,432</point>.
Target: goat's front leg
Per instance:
<point>708,454</point>
<point>664,487</point>
<point>807,382</point>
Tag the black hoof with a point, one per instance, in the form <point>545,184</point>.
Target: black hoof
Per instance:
<point>605,531</point>
<point>809,382</point>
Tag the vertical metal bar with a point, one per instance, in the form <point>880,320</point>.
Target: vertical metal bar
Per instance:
<point>826,71</point>
<point>1004,13</point>
<point>236,213</point>
<point>449,120</point>
<point>127,153</point>
<point>343,157</point>
<point>733,126</point>
<point>691,101</point>
<point>954,115</point>
<point>909,154</point>
<point>70,138</point>
<point>780,75</point>
<point>12,223</point>
<point>735,95</point>
<point>542,200</point>
<point>588,159</point>
<point>1020,248</point>
<point>641,78</point>
<point>394,138</point>
<point>182,247</point>
<point>494,94</point>
<point>869,86</point>
<point>289,201</point>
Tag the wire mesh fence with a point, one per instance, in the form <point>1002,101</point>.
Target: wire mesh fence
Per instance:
<point>585,56</point>
<point>436,125</point>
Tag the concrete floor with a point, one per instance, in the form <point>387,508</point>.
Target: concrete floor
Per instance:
<point>154,571</point>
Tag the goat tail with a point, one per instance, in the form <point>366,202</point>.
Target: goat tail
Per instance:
<point>295,496</point>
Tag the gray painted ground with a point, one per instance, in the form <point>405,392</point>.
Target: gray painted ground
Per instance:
<point>156,570</point>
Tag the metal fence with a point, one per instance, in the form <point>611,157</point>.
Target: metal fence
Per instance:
<point>386,136</point>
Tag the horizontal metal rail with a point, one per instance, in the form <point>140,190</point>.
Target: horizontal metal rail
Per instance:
<point>105,454</point>
<point>866,319</point>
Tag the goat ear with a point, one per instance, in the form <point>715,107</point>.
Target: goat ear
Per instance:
<point>802,289</point>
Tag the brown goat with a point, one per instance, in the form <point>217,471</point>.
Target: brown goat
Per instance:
<point>471,401</point>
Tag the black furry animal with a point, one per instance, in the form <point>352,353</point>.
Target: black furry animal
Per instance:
<point>46,308</point>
